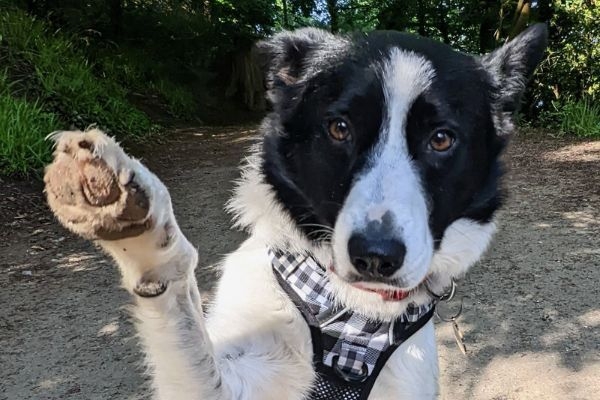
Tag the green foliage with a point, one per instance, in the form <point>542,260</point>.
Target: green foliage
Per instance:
<point>580,118</point>
<point>132,70</point>
<point>23,127</point>
<point>571,72</point>
<point>62,79</point>
<point>48,69</point>
<point>129,67</point>
<point>181,102</point>
<point>84,61</point>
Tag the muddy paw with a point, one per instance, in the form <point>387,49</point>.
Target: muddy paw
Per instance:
<point>95,189</point>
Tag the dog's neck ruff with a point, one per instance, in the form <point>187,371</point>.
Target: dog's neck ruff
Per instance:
<point>349,348</point>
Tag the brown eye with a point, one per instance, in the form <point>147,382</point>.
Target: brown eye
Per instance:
<point>441,141</point>
<point>339,129</point>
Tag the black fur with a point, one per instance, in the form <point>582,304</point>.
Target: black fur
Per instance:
<point>314,77</point>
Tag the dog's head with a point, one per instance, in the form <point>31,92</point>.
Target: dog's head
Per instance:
<point>385,147</point>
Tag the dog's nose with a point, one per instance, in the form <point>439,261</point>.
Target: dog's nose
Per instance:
<point>376,258</point>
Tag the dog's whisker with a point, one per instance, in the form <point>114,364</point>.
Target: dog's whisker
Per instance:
<point>319,232</point>
<point>329,228</point>
<point>335,203</point>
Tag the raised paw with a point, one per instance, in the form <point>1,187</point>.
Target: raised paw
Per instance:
<point>96,190</point>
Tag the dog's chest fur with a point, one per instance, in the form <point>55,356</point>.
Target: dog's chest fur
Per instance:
<point>272,328</point>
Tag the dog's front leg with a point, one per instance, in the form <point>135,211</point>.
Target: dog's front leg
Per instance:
<point>100,193</point>
<point>169,316</point>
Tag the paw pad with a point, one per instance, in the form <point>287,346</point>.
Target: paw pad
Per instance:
<point>92,189</point>
<point>99,183</point>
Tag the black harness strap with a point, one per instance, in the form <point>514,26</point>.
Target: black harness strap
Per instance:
<point>333,382</point>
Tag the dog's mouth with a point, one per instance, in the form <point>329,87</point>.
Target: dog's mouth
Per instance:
<point>386,294</point>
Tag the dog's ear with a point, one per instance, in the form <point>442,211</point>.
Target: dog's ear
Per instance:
<point>511,67</point>
<point>283,57</point>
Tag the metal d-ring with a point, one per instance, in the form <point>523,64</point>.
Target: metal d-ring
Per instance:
<point>446,296</point>
<point>453,317</point>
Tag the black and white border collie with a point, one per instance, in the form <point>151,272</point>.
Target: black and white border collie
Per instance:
<point>380,160</point>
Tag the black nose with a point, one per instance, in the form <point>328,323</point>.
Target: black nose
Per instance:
<point>374,257</point>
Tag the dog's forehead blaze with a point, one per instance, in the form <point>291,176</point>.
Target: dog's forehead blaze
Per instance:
<point>405,75</point>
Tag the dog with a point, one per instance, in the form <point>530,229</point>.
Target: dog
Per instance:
<point>373,186</point>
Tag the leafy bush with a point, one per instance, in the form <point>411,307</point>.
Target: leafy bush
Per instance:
<point>571,72</point>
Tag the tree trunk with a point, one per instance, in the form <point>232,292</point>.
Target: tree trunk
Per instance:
<point>207,9</point>
<point>333,15</point>
<point>421,17</point>
<point>521,18</point>
<point>285,14</point>
<point>443,23</point>
<point>492,17</point>
<point>247,81</point>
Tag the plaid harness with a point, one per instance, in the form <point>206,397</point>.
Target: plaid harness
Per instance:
<point>349,349</point>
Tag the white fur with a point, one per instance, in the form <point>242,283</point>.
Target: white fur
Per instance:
<point>463,244</point>
<point>254,344</point>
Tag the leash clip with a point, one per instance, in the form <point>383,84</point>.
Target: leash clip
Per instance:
<point>458,335</point>
<point>446,297</point>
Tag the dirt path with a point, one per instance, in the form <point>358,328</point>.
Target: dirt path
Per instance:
<point>532,308</point>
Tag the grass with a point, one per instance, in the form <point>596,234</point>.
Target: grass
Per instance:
<point>133,70</point>
<point>23,127</point>
<point>181,102</point>
<point>580,118</point>
<point>65,80</point>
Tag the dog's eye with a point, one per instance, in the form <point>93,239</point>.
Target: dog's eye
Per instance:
<point>441,140</point>
<point>339,129</point>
